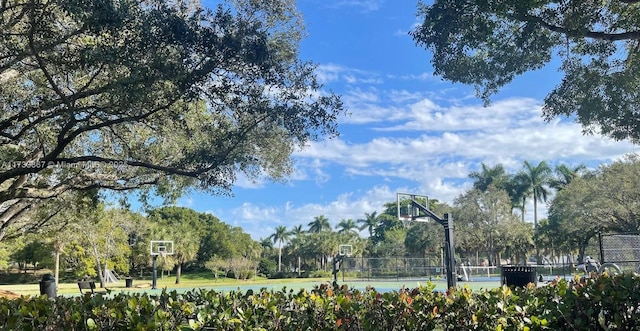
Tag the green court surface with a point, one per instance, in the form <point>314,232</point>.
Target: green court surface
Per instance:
<point>379,285</point>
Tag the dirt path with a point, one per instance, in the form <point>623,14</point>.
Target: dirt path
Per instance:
<point>8,294</point>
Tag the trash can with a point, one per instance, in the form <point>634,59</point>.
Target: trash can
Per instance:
<point>48,286</point>
<point>518,275</point>
<point>128,282</point>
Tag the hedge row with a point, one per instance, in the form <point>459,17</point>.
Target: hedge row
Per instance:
<point>600,303</point>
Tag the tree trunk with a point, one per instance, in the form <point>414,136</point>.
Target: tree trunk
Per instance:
<point>105,269</point>
<point>100,275</point>
<point>57,268</point>
<point>535,215</point>
<point>178,272</point>
<point>106,260</point>
<point>280,256</point>
<point>535,229</point>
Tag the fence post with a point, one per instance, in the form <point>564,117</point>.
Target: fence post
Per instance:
<point>600,248</point>
<point>397,270</point>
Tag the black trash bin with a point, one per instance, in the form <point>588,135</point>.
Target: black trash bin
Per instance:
<point>518,276</point>
<point>48,286</point>
<point>128,282</point>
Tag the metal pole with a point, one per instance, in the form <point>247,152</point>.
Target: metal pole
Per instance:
<point>155,272</point>
<point>336,268</point>
<point>448,237</point>
<point>600,248</point>
<point>450,251</point>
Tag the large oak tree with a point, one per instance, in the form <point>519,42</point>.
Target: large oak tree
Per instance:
<point>606,200</point>
<point>150,94</point>
<point>486,43</point>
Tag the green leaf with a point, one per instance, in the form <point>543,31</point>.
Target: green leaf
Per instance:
<point>91,324</point>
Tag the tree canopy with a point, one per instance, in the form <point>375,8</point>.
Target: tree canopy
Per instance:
<point>152,94</point>
<point>488,43</point>
<point>606,200</point>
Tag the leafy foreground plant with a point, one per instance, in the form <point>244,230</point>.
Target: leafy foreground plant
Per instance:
<point>599,303</point>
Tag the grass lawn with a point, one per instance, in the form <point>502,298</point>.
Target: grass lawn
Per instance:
<point>187,282</point>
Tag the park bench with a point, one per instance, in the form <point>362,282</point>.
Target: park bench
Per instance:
<point>88,285</point>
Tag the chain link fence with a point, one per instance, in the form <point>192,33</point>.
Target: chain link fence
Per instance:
<point>622,250</point>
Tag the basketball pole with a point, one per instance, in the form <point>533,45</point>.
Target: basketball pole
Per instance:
<point>155,272</point>
<point>449,249</point>
<point>337,260</point>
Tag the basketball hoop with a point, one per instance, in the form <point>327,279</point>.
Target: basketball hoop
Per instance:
<point>406,221</point>
<point>159,248</point>
<point>417,207</point>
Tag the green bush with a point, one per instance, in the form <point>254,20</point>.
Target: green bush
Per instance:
<point>320,274</point>
<point>601,303</point>
<point>267,267</point>
<point>241,274</point>
<point>283,275</point>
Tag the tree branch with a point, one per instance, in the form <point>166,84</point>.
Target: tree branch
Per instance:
<point>633,35</point>
<point>12,213</point>
<point>40,61</point>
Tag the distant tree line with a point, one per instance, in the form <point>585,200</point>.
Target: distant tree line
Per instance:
<point>488,220</point>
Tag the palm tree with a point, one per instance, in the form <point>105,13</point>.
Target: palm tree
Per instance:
<point>347,226</point>
<point>296,243</point>
<point>279,237</point>
<point>518,189</point>
<point>370,222</point>
<point>319,224</point>
<point>266,243</point>
<point>537,179</point>
<point>495,176</point>
<point>565,174</point>
<point>297,231</point>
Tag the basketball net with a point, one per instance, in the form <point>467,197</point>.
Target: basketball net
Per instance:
<point>406,221</point>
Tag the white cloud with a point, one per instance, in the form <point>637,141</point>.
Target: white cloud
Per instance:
<point>185,202</point>
<point>363,5</point>
<point>348,205</point>
<point>504,114</point>
<point>328,73</point>
<point>245,182</point>
<point>400,33</point>
<point>439,146</point>
<point>422,76</point>
<point>525,143</point>
<point>258,221</point>
<point>430,141</point>
<point>403,96</point>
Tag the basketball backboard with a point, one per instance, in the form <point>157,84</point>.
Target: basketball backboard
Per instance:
<point>407,211</point>
<point>161,247</point>
<point>346,250</point>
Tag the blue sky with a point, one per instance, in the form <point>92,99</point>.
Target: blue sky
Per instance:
<point>407,130</point>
